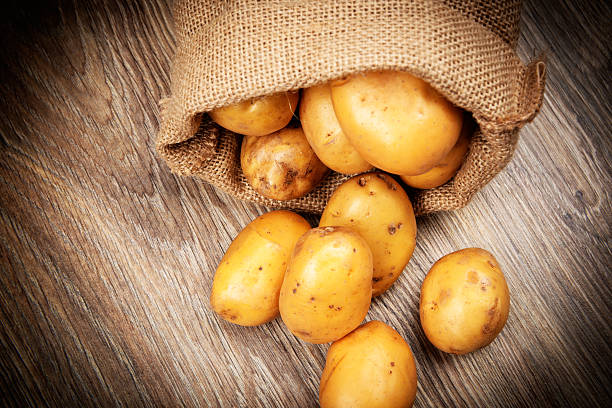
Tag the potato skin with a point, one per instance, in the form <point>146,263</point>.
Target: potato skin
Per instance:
<point>281,166</point>
<point>447,168</point>
<point>324,133</point>
<point>258,116</point>
<point>247,282</point>
<point>377,207</point>
<point>370,367</point>
<point>328,285</point>
<point>396,121</point>
<point>464,301</point>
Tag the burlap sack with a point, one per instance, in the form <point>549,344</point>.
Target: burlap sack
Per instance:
<point>228,51</point>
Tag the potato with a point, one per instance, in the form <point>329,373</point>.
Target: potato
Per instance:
<point>396,121</point>
<point>257,116</point>
<point>328,285</point>
<point>281,166</point>
<point>447,168</point>
<point>371,367</point>
<point>247,282</point>
<point>325,135</point>
<point>464,301</point>
<point>377,207</point>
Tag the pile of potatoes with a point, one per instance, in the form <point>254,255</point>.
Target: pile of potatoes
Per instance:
<point>388,120</point>
<point>321,280</point>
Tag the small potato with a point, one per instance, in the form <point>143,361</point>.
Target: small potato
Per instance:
<point>247,282</point>
<point>447,168</point>
<point>377,207</point>
<point>328,285</point>
<point>370,367</point>
<point>281,166</point>
<point>325,135</point>
<point>258,116</point>
<point>396,121</point>
<point>464,301</point>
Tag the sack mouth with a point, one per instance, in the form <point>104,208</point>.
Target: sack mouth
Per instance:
<point>529,100</point>
<point>230,52</point>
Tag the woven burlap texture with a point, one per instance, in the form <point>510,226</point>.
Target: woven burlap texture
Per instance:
<point>229,51</point>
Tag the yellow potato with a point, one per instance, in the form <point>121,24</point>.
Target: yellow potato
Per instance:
<point>377,207</point>
<point>248,280</point>
<point>396,121</point>
<point>447,168</point>
<point>464,301</point>
<point>371,367</point>
<point>325,135</point>
<point>258,116</point>
<point>328,285</point>
<point>282,165</point>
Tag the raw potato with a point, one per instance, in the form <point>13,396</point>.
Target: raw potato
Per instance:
<point>396,121</point>
<point>258,116</point>
<point>464,301</point>
<point>328,285</point>
<point>371,367</point>
<point>447,168</point>
<point>325,135</point>
<point>248,280</point>
<point>377,207</point>
<point>281,166</point>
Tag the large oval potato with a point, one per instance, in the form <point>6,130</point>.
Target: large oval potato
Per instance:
<point>447,168</point>
<point>377,207</point>
<point>328,285</point>
<point>325,135</point>
<point>247,282</point>
<point>371,367</point>
<point>258,116</point>
<point>281,166</point>
<point>396,121</point>
<point>464,301</point>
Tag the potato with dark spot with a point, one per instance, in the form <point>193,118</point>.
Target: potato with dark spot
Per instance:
<point>377,207</point>
<point>447,168</point>
<point>247,282</point>
<point>371,367</point>
<point>396,121</point>
<point>258,116</point>
<point>281,166</point>
<point>327,288</point>
<point>325,135</point>
<point>464,301</point>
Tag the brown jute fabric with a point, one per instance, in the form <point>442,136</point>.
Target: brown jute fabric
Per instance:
<point>229,51</point>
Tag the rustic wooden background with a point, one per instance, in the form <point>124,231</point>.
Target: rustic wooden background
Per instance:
<point>107,258</point>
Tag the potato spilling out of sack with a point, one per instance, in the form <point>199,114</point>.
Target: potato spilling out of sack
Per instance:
<point>247,282</point>
<point>371,367</point>
<point>376,206</point>
<point>396,121</point>
<point>327,288</point>
<point>325,135</point>
<point>282,165</point>
<point>448,167</point>
<point>258,116</point>
<point>464,301</point>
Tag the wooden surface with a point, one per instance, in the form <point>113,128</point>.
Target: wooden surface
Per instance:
<point>107,259</point>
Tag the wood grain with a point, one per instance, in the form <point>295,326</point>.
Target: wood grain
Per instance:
<point>107,259</point>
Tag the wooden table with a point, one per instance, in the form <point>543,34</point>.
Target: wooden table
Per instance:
<point>107,258</point>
